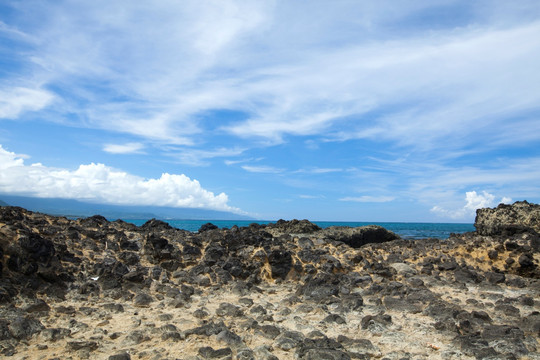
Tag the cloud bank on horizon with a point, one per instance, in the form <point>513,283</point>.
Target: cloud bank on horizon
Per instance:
<point>100,183</point>
<point>373,109</point>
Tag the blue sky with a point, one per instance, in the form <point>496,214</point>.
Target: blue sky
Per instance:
<point>332,110</point>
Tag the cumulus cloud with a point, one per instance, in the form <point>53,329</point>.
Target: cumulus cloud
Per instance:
<point>101,183</point>
<point>478,201</point>
<point>473,201</point>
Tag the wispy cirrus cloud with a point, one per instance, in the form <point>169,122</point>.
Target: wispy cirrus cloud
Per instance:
<point>158,92</point>
<point>449,102</point>
<point>457,74</point>
<point>305,196</point>
<point>316,170</point>
<point>368,199</point>
<point>264,169</point>
<point>394,89</point>
<point>13,32</point>
<point>196,157</point>
<point>439,185</point>
<point>127,148</point>
<point>17,100</point>
<point>276,170</point>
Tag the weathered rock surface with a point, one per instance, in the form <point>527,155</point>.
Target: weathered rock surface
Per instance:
<point>508,219</point>
<point>96,289</point>
<point>356,237</point>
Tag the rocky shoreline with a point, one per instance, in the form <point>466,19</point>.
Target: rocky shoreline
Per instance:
<point>94,289</point>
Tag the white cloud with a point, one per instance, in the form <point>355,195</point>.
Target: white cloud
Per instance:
<point>128,148</point>
<point>262,169</point>
<point>207,55</point>
<point>17,100</point>
<point>100,183</point>
<point>392,73</point>
<point>434,179</point>
<point>368,199</point>
<point>159,128</point>
<point>506,200</point>
<point>478,201</point>
<point>13,32</point>
<point>303,196</point>
<point>473,201</point>
<point>198,157</point>
<point>233,162</point>
<point>452,77</point>
<point>240,161</point>
<point>317,170</point>
<point>161,59</point>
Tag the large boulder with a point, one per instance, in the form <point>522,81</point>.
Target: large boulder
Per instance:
<point>293,227</point>
<point>156,225</point>
<point>207,227</point>
<point>358,236</point>
<point>505,219</point>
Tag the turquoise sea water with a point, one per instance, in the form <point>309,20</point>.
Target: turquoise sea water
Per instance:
<point>405,230</point>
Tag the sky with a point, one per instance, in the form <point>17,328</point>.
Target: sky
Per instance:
<point>413,111</point>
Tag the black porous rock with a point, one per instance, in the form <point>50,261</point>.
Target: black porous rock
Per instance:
<point>508,220</point>
<point>92,288</point>
<point>120,356</point>
<point>207,227</point>
<point>321,348</point>
<point>357,237</point>
<point>156,225</point>
<point>208,352</point>
<point>281,263</point>
<point>143,300</point>
<point>294,226</point>
<point>23,328</point>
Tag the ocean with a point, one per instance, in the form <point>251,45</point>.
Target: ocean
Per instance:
<point>405,230</point>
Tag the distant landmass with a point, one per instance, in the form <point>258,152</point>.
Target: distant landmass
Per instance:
<point>75,208</point>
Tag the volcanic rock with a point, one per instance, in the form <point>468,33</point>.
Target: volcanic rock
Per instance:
<point>112,290</point>
<point>356,237</point>
<point>293,227</point>
<point>508,219</point>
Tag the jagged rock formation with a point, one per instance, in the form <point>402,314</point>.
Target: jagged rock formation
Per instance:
<point>359,236</point>
<point>92,288</point>
<point>508,219</point>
